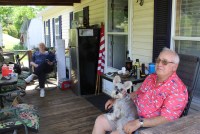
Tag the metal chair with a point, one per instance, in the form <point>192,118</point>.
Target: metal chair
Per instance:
<point>188,72</point>
<point>50,75</point>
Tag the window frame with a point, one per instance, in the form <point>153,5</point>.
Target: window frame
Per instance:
<point>57,35</point>
<point>48,33</point>
<point>129,34</point>
<point>175,38</point>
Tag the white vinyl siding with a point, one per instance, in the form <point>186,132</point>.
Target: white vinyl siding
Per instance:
<point>142,41</point>
<point>55,12</point>
<point>96,10</point>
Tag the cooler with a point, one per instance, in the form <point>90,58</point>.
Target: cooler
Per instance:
<point>64,84</point>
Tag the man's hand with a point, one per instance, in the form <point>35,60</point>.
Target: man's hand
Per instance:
<point>133,95</point>
<point>131,126</point>
<point>50,63</point>
<point>109,104</point>
<point>33,64</point>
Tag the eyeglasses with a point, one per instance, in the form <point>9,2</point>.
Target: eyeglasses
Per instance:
<point>164,62</point>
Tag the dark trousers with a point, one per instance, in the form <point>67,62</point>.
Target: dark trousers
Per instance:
<point>41,72</point>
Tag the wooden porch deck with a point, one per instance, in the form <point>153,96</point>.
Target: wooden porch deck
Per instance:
<point>62,112</point>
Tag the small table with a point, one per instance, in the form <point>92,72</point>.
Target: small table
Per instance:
<point>185,125</point>
<point>110,78</point>
<point>12,81</point>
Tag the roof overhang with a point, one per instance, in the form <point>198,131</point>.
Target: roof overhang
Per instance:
<point>39,2</point>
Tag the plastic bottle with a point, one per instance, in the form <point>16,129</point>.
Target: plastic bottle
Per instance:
<point>5,70</point>
<point>137,63</point>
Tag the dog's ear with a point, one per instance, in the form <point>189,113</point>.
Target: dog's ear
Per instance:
<point>127,85</point>
<point>116,80</point>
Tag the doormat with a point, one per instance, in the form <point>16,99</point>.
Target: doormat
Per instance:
<point>98,100</point>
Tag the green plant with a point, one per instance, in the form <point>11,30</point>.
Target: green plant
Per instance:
<point>19,47</point>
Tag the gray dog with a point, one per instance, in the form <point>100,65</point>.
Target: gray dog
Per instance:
<point>124,110</point>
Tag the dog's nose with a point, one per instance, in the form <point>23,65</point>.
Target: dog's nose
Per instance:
<point>117,92</point>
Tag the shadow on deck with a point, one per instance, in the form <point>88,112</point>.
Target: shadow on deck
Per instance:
<point>62,112</point>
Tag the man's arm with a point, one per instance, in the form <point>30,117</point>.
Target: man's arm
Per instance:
<point>33,57</point>
<point>133,94</point>
<point>33,61</point>
<point>155,121</point>
<point>51,58</point>
<point>132,126</point>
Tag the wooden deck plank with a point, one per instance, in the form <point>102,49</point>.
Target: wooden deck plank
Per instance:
<point>62,112</point>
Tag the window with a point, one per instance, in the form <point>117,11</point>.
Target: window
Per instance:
<point>47,33</point>
<point>187,31</point>
<point>57,28</point>
<point>117,50</point>
<point>78,17</point>
<point>117,33</point>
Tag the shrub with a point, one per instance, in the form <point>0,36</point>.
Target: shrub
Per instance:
<point>19,47</point>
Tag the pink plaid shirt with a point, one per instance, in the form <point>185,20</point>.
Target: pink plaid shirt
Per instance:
<point>168,99</point>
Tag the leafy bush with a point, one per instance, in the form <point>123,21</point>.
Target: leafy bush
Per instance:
<point>19,47</point>
<point>11,30</point>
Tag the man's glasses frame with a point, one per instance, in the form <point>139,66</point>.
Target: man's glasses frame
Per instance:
<point>164,62</point>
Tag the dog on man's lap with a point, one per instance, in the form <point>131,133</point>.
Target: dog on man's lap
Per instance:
<point>124,110</point>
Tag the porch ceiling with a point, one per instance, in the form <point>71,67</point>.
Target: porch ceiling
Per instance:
<point>39,2</point>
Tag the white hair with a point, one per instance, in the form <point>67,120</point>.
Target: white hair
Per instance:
<point>175,55</point>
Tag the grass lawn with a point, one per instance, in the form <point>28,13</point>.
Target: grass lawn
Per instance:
<point>9,42</point>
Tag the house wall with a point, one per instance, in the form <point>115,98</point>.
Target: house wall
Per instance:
<point>142,40</point>
<point>96,10</point>
<point>55,12</point>
<point>35,33</point>
<point>142,25</point>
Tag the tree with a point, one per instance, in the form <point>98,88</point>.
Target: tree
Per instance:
<point>5,15</point>
<point>12,17</point>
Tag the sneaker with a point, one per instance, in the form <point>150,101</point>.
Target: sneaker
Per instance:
<point>42,93</point>
<point>30,78</point>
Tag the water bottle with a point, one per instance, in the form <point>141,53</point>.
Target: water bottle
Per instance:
<point>137,64</point>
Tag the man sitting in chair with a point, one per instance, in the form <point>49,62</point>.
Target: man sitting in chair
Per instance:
<point>161,98</point>
<point>43,63</point>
